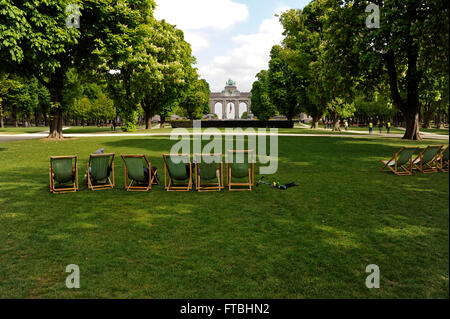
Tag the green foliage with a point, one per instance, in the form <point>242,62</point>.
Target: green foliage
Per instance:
<point>378,105</point>
<point>83,108</point>
<point>195,102</point>
<point>34,38</point>
<point>262,106</point>
<point>24,97</point>
<point>412,40</point>
<point>103,108</point>
<point>130,119</point>
<point>304,52</point>
<point>339,108</point>
<point>165,71</point>
<point>283,84</point>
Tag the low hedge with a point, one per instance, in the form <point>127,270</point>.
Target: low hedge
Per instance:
<point>235,123</point>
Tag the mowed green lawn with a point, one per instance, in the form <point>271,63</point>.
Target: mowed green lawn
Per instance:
<point>312,241</point>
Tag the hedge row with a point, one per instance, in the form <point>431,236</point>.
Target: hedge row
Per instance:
<point>235,123</point>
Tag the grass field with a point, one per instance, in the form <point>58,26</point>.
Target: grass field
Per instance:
<point>22,130</point>
<point>435,131</point>
<point>313,241</point>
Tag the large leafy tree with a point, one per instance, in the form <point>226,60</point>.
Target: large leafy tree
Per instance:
<point>412,37</point>
<point>322,85</point>
<point>166,75</point>
<point>22,99</point>
<point>433,90</point>
<point>283,84</point>
<point>7,84</point>
<point>35,39</point>
<point>262,106</point>
<point>303,30</point>
<point>195,101</point>
<point>125,50</point>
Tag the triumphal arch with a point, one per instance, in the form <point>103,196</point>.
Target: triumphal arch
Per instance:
<point>230,99</point>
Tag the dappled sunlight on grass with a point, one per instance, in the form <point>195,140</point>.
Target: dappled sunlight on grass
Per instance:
<point>338,238</point>
<point>59,237</point>
<point>13,215</point>
<point>82,225</point>
<point>407,231</point>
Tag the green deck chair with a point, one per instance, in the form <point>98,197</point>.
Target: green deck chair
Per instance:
<point>100,171</point>
<point>177,176</point>
<point>401,163</point>
<point>425,162</point>
<point>240,165</point>
<point>443,160</point>
<point>63,174</point>
<point>208,167</point>
<point>135,177</point>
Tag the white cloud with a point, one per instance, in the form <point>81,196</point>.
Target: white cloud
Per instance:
<point>198,40</point>
<point>195,15</point>
<point>201,14</point>
<point>249,57</point>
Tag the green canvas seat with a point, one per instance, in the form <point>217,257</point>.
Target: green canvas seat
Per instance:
<point>240,165</point>
<point>135,177</point>
<point>401,162</point>
<point>100,171</point>
<point>425,162</point>
<point>63,174</point>
<point>177,176</point>
<point>208,167</point>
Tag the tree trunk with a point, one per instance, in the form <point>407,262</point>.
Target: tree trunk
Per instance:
<point>412,126</point>
<point>2,124</point>
<point>148,121</point>
<point>427,114</point>
<point>336,125</point>
<point>315,122</point>
<point>162,121</point>
<point>56,125</point>
<point>56,113</point>
<point>426,120</point>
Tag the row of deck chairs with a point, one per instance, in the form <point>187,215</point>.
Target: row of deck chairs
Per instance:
<point>432,159</point>
<point>179,172</point>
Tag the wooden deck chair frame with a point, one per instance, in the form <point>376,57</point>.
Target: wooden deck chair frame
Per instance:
<point>442,165</point>
<point>110,183</point>
<point>53,188</point>
<point>407,170</point>
<point>153,179</point>
<point>169,183</point>
<point>209,187</point>
<point>251,174</point>
<point>426,168</point>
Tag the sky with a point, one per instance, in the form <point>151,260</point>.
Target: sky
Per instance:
<point>229,38</point>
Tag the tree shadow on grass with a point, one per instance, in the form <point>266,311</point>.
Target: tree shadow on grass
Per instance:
<point>148,145</point>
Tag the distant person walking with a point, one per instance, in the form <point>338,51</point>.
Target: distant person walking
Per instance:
<point>370,128</point>
<point>346,125</point>
<point>388,127</point>
<point>380,127</point>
